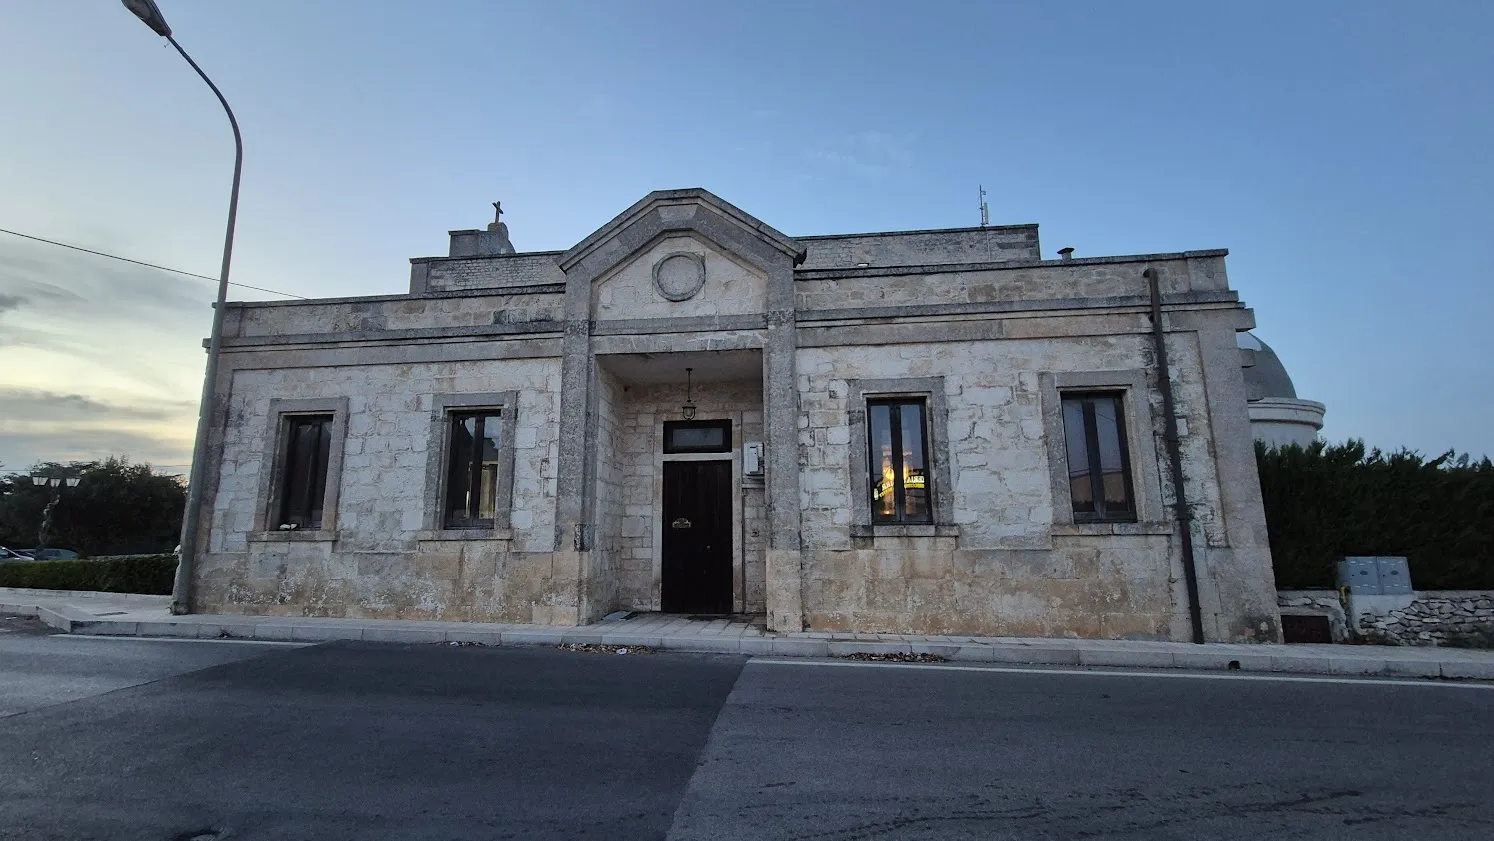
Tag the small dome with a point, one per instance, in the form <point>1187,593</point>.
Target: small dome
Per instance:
<point>1265,376</point>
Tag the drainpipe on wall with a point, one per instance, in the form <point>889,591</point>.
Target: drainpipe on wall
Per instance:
<point>1175,457</point>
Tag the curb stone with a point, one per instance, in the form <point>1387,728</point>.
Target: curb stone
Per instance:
<point>1458,664</point>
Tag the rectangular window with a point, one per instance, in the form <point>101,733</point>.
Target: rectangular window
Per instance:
<point>472,469</point>
<point>898,461</point>
<point>1094,428</point>
<point>710,436</point>
<point>308,444</point>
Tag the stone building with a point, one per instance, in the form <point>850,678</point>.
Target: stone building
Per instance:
<point>688,411</point>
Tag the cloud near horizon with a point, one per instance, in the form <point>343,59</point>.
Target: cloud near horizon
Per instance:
<point>96,359</point>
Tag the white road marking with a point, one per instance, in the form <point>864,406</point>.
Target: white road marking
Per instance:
<point>1434,682</point>
<point>121,638</point>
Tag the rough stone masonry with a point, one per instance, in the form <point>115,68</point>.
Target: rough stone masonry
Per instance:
<point>1449,617</point>
<point>919,431</point>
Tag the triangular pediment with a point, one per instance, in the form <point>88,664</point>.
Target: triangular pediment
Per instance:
<point>679,275</point>
<point>696,213</point>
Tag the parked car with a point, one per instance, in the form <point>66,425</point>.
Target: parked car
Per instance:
<point>13,555</point>
<point>48,554</point>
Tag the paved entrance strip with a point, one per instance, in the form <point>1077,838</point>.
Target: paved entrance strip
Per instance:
<point>112,614</point>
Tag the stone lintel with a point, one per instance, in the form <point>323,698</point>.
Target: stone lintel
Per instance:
<point>689,324</point>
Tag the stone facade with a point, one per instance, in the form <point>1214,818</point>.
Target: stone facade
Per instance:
<point>582,354</point>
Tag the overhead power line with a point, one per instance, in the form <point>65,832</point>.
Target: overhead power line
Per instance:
<point>149,265</point>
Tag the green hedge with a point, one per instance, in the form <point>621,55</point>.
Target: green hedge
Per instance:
<point>1324,502</point>
<point>150,574</point>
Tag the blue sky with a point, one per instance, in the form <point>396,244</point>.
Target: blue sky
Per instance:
<point>1340,150</point>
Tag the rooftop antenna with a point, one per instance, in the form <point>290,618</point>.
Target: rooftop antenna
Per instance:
<point>985,209</point>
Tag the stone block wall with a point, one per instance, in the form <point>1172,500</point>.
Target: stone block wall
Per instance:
<point>995,243</point>
<point>1462,618</point>
<point>1006,566</point>
<point>1052,281</point>
<point>643,410</point>
<point>442,274</point>
<point>610,493</point>
<point>354,315</point>
<point>1003,496</point>
<point>378,559</point>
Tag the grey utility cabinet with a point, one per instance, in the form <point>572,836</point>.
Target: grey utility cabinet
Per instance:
<point>1368,575</point>
<point>1395,576</point>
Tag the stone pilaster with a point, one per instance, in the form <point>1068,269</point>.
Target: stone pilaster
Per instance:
<point>1244,583</point>
<point>785,584</point>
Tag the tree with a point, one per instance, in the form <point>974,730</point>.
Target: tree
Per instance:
<point>117,508</point>
<point>1327,501</point>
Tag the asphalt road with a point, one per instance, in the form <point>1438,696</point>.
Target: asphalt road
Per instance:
<point>106,739</point>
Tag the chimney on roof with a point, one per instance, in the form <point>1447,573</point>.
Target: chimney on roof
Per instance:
<point>483,243</point>
<point>1066,253</point>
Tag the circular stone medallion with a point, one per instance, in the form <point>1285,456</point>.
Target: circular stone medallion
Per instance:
<point>679,276</point>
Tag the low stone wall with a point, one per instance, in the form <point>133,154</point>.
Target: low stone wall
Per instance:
<point>1316,603</point>
<point>1462,618</point>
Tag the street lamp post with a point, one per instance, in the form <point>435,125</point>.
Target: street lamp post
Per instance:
<point>56,482</point>
<point>181,591</point>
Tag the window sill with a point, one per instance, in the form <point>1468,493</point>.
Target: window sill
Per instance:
<point>294,536</point>
<point>1109,529</point>
<point>465,534</point>
<point>904,530</point>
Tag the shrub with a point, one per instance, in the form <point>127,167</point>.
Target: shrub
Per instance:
<point>117,508</point>
<point>150,574</point>
<point>1324,502</point>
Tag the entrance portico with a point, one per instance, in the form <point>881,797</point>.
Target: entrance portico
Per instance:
<point>679,508</point>
<point>680,280</point>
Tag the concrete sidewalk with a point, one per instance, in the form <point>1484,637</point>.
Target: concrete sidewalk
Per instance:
<point>149,616</point>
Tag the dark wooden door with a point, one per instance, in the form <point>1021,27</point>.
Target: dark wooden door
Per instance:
<point>697,537</point>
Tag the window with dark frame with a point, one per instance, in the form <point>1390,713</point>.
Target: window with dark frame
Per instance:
<point>308,445</point>
<point>472,469</point>
<point>702,436</point>
<point>1094,429</point>
<point>898,461</point>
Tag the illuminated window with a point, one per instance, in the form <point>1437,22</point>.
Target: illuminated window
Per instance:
<point>898,466</point>
<point>472,469</point>
<point>1094,429</point>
